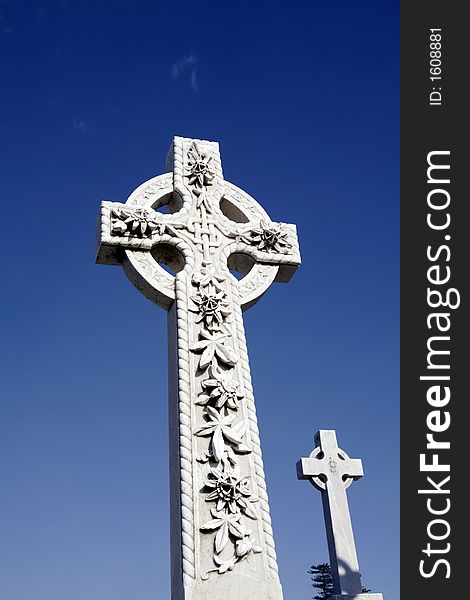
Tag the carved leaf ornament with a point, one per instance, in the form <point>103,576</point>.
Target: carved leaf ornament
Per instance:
<point>132,221</point>
<point>232,494</point>
<point>221,397</point>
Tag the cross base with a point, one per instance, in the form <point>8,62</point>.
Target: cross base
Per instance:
<point>356,597</point>
<point>233,587</point>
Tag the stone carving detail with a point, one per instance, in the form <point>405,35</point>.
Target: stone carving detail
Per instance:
<point>244,201</point>
<point>212,346</point>
<point>152,191</point>
<point>223,433</point>
<point>133,221</point>
<point>233,496</point>
<point>154,272</point>
<point>200,175</point>
<point>271,237</point>
<point>221,400</point>
<point>211,308</point>
<point>261,276</point>
<point>220,390</point>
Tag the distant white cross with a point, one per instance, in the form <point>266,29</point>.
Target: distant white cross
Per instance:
<point>332,471</point>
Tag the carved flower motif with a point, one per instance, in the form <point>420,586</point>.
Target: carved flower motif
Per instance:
<point>220,428</point>
<point>224,392</point>
<point>230,492</point>
<point>135,221</point>
<point>270,237</point>
<point>205,278</point>
<point>200,174</point>
<point>212,307</point>
<point>212,347</point>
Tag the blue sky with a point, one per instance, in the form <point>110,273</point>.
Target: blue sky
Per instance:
<point>303,97</point>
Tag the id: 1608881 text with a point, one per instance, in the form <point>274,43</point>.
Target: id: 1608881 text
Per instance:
<point>435,67</point>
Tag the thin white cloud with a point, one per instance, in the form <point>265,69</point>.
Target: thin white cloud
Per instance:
<point>193,80</point>
<point>80,126</point>
<point>178,67</point>
<point>187,64</point>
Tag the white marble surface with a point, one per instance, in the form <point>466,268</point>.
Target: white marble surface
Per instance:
<point>357,597</point>
<point>332,471</point>
<point>222,545</point>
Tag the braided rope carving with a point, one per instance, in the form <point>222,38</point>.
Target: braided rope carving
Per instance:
<point>178,176</point>
<point>255,439</point>
<point>185,435</point>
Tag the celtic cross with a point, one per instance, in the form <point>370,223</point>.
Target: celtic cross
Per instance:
<point>332,471</point>
<point>222,544</point>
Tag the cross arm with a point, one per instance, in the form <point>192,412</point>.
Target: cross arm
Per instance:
<point>326,440</point>
<point>351,467</point>
<point>328,461</point>
<point>268,243</point>
<point>314,467</point>
<point>309,467</point>
<point>122,226</point>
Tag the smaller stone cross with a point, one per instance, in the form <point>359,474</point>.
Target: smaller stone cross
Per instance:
<point>332,471</point>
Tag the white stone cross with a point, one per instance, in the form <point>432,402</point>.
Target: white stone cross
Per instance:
<point>332,471</point>
<point>222,545</point>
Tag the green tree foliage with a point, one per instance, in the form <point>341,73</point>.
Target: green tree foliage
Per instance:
<point>323,581</point>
